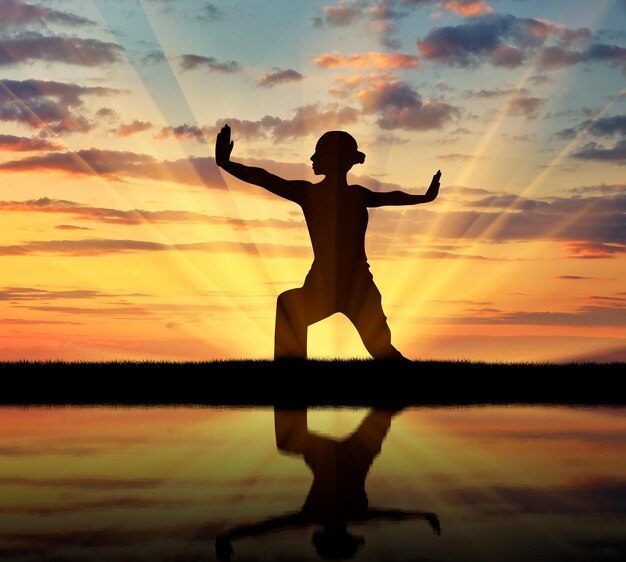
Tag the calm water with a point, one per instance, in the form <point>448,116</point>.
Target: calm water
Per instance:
<point>160,484</point>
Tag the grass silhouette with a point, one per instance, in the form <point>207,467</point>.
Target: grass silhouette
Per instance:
<point>297,383</point>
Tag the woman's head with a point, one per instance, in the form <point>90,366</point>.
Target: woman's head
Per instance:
<point>336,151</point>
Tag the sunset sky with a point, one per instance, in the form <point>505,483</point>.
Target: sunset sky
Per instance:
<point>121,239</point>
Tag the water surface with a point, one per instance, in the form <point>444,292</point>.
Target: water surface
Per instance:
<point>159,484</point>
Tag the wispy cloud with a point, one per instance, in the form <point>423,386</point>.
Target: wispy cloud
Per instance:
<point>278,76</point>
<point>32,46</point>
<point>98,246</point>
<point>193,62</point>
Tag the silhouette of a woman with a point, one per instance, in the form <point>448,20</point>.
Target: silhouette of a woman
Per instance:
<point>336,217</point>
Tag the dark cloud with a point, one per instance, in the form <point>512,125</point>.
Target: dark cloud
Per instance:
<point>507,41</point>
<point>131,217</point>
<point>33,47</point>
<point>573,277</point>
<point>97,246</point>
<point>399,106</point>
<point>602,127</point>
<point>598,152</point>
<point>196,171</point>
<point>193,62</point>
<point>11,143</point>
<point>20,14</point>
<point>598,230</point>
<point>132,128</point>
<point>278,76</point>
<point>53,106</point>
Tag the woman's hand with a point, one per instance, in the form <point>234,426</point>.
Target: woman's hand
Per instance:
<point>223,147</point>
<point>433,189</point>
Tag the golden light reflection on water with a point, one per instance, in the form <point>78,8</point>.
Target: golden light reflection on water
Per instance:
<point>161,483</point>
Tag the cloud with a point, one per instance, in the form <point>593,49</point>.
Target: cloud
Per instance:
<point>399,106</point>
<point>494,93</point>
<point>504,40</point>
<point>278,76</point>
<point>525,107</point>
<point>193,62</point>
<point>602,127</point>
<point>132,128</point>
<point>98,247</point>
<point>582,316</point>
<point>111,164</point>
<point>11,143</point>
<point>15,294</point>
<point>371,60</point>
<point>133,216</point>
<point>33,47</point>
<point>153,57</point>
<point>307,120</point>
<point>467,8</point>
<point>598,152</point>
<point>340,16</point>
<point>54,106</point>
<point>16,13</point>
<point>558,57</point>
<point>598,230</point>
<point>594,250</point>
<point>456,157</point>
<point>70,227</point>
<point>574,277</point>
<point>183,132</point>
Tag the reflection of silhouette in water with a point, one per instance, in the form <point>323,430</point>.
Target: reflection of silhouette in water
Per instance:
<point>336,216</point>
<point>337,495</point>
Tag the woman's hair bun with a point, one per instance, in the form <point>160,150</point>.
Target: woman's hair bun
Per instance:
<point>359,157</point>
